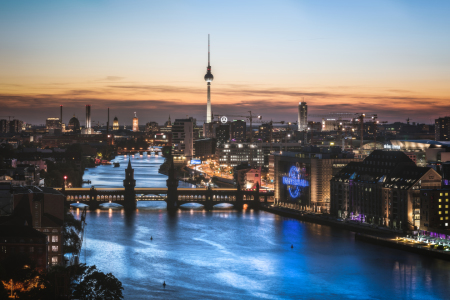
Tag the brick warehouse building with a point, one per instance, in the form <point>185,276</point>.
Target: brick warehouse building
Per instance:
<point>383,189</point>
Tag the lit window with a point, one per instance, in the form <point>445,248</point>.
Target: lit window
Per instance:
<point>440,212</point>
<point>55,237</point>
<point>446,218</point>
<point>54,260</point>
<point>440,206</point>
<point>54,248</point>
<point>442,218</point>
<point>441,194</point>
<point>446,224</point>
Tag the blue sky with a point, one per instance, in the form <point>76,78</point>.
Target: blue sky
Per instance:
<point>388,57</point>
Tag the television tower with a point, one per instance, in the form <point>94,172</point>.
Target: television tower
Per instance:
<point>208,78</point>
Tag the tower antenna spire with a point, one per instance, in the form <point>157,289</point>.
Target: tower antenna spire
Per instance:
<point>208,49</point>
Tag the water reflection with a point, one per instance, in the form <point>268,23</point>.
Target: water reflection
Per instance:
<point>227,254</point>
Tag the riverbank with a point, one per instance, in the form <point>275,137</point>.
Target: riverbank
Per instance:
<point>329,221</point>
<point>422,249</point>
<point>376,236</point>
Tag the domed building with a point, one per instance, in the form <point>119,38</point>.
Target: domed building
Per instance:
<point>116,123</point>
<point>74,124</point>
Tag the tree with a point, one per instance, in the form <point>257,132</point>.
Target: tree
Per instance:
<point>98,285</point>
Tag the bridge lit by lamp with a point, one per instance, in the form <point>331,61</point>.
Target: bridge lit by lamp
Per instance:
<point>295,183</point>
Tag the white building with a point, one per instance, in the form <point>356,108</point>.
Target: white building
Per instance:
<point>183,138</point>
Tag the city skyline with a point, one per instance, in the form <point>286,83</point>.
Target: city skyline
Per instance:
<point>388,57</point>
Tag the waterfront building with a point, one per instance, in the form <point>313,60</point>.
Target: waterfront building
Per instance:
<point>302,116</point>
<point>41,209</point>
<point>15,126</point>
<point>183,138</point>
<point>304,177</point>
<point>383,189</point>
<point>434,209</point>
<point>442,129</point>
<point>18,238</point>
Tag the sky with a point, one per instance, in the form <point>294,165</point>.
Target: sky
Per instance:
<point>385,57</point>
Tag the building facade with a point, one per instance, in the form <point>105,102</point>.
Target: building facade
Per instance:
<point>183,138</point>
<point>302,116</point>
<point>304,177</point>
<point>383,189</point>
<point>434,209</point>
<point>442,129</point>
<point>238,131</point>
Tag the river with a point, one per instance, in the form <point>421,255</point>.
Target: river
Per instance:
<point>227,254</point>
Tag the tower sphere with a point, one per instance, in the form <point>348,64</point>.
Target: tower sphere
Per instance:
<point>209,77</point>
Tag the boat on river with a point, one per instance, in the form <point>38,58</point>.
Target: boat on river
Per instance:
<point>116,164</point>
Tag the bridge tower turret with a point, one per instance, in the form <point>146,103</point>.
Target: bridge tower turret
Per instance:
<point>256,203</point>
<point>129,183</point>
<point>172,185</point>
<point>239,204</point>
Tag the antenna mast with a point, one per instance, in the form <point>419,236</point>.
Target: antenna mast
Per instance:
<point>208,49</point>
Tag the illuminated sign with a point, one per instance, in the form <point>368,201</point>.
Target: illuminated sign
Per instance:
<point>295,182</point>
<point>196,162</point>
<point>391,146</point>
<point>223,119</point>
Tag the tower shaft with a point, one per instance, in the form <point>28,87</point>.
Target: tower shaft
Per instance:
<point>208,104</point>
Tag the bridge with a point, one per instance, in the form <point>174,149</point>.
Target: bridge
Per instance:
<point>207,197</point>
<point>172,195</point>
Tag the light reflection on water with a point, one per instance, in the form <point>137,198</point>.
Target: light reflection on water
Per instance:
<point>234,255</point>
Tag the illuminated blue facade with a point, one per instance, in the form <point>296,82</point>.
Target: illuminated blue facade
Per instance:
<point>295,182</point>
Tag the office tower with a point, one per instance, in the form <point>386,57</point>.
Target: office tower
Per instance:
<point>223,133</point>
<point>302,116</point>
<point>238,131</point>
<point>135,123</point>
<point>183,138</point>
<point>88,118</point>
<point>208,78</point>
<point>442,129</point>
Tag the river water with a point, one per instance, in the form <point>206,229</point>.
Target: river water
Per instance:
<point>243,255</point>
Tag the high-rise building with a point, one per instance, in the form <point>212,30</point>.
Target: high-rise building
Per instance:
<point>238,131</point>
<point>4,126</point>
<point>183,138</point>
<point>208,78</point>
<point>88,128</point>
<point>442,129</point>
<point>223,133</point>
<point>302,116</point>
<point>116,123</point>
<point>135,123</point>
<point>15,126</point>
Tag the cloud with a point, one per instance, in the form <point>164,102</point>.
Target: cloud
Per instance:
<point>156,102</point>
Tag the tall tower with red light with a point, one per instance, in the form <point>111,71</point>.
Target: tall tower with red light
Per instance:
<point>208,78</point>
